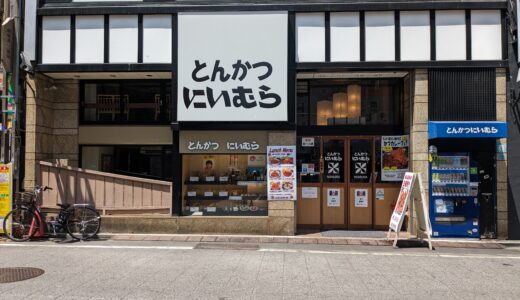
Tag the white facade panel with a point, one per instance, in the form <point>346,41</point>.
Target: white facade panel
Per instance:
<point>344,36</point>
<point>450,35</point>
<point>415,35</point>
<point>56,40</point>
<point>90,36</point>
<point>29,27</point>
<point>380,36</point>
<point>310,37</point>
<point>157,39</point>
<point>232,66</point>
<point>123,39</point>
<point>486,35</point>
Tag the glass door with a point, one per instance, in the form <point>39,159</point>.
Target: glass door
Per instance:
<point>334,193</point>
<point>360,187</point>
<point>309,182</point>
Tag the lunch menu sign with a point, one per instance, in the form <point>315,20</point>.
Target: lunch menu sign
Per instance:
<point>281,170</point>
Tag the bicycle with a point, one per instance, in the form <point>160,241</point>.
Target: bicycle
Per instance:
<point>24,222</point>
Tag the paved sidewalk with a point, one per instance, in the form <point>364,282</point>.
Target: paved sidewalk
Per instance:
<point>108,269</point>
<point>314,238</point>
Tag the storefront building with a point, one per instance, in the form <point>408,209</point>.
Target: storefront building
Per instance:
<point>268,118</point>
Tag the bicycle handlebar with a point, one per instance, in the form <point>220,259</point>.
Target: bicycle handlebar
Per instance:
<point>42,188</point>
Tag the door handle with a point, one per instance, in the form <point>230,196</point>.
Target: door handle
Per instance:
<point>372,175</point>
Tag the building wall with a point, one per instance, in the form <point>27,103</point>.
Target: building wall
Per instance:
<point>51,124</point>
<point>282,214</point>
<point>501,198</point>
<point>419,125</point>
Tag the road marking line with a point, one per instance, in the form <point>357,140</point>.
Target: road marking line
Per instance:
<point>278,250</point>
<point>389,254</point>
<point>102,246</point>
<point>478,256</point>
<point>475,256</point>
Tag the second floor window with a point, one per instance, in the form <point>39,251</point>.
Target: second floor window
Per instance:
<point>144,102</point>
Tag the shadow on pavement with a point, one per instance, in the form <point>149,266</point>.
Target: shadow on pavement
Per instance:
<point>412,244</point>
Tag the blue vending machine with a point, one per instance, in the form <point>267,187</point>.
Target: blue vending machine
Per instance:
<point>454,205</point>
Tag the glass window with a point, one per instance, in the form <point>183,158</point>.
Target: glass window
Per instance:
<point>360,160</point>
<point>308,159</point>
<point>142,102</point>
<point>334,160</point>
<point>224,185</point>
<point>141,161</point>
<point>102,102</point>
<point>126,102</point>
<point>349,102</point>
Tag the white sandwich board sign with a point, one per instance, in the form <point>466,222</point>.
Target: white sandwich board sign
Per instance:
<point>411,197</point>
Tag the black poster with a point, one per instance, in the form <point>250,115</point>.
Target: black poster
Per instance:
<point>360,160</point>
<point>334,161</point>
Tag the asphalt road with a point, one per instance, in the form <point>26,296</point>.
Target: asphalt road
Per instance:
<point>168,270</point>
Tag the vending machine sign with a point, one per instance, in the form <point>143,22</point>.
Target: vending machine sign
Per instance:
<point>281,169</point>
<point>394,157</point>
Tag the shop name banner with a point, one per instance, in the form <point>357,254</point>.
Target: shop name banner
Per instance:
<point>402,202</point>
<point>210,145</point>
<point>467,129</point>
<point>232,66</point>
<point>394,157</point>
<point>281,170</point>
<point>223,142</point>
<point>5,190</point>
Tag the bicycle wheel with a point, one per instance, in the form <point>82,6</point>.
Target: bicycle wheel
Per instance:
<point>20,224</point>
<point>83,223</point>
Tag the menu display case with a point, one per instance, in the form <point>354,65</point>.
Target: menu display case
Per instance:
<point>225,185</point>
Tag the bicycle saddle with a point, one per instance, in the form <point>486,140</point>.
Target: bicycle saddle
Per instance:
<point>65,205</point>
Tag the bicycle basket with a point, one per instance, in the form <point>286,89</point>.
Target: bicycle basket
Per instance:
<point>24,198</point>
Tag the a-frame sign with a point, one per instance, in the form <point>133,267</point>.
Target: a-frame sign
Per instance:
<point>411,196</point>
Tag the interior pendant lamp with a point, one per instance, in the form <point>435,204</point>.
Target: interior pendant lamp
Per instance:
<point>324,112</point>
<point>339,102</point>
<point>354,101</point>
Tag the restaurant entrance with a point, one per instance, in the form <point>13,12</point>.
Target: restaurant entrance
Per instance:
<point>340,186</point>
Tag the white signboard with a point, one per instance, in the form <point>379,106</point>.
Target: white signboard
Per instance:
<point>333,197</point>
<point>281,171</point>
<point>361,198</point>
<point>380,194</point>
<point>307,142</point>
<point>394,157</point>
<point>402,202</point>
<point>232,66</point>
<point>309,192</point>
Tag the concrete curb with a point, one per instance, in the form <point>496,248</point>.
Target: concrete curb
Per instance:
<point>313,239</point>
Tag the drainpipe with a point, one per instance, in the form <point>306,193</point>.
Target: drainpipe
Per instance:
<point>16,8</point>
